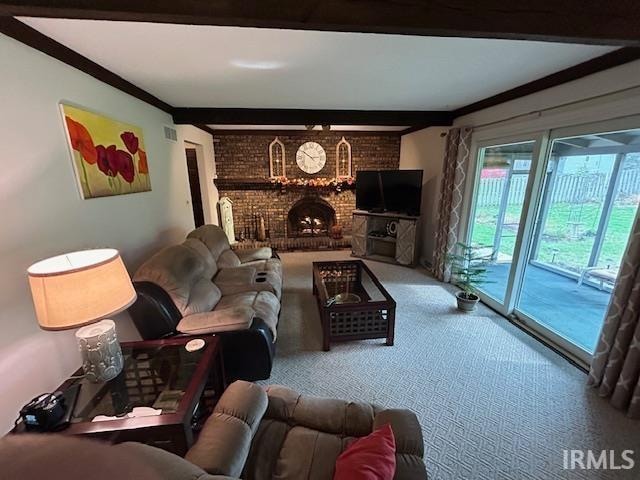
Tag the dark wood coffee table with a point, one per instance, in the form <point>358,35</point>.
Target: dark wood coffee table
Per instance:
<point>189,382</point>
<point>353,303</point>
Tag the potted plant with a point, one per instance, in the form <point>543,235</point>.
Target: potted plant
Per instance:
<point>468,270</point>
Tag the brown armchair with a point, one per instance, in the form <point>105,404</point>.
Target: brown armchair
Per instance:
<point>261,434</point>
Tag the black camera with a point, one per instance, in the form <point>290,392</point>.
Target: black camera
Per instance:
<point>44,413</point>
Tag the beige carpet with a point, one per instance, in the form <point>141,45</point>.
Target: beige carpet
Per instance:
<point>493,402</point>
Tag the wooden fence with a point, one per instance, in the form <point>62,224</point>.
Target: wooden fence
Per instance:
<point>568,188</point>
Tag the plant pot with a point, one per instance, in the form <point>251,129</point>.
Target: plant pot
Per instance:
<point>467,301</point>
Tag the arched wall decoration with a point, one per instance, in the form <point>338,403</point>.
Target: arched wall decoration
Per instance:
<point>277,159</point>
<point>343,159</point>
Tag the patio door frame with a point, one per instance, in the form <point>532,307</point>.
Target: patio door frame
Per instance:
<point>576,353</point>
<point>540,141</point>
<point>529,218</point>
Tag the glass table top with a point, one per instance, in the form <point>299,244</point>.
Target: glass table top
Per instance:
<point>348,283</point>
<point>155,377</point>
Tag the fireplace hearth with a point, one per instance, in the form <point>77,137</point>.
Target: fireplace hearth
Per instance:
<point>310,217</point>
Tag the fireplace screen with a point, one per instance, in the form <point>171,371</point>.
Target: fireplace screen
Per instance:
<point>311,217</point>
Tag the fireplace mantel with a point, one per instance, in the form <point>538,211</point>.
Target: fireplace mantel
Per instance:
<point>253,184</point>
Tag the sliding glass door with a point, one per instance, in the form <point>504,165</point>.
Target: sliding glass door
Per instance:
<point>589,201</point>
<point>501,186</point>
<point>554,211</point>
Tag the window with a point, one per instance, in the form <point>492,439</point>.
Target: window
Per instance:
<point>555,211</point>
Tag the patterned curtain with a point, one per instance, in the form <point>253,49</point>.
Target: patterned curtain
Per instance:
<point>456,162</point>
<point>615,370</point>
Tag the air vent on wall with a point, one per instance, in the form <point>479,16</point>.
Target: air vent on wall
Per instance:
<point>170,133</point>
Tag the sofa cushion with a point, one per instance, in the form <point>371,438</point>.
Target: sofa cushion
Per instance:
<point>225,439</point>
<point>307,453</point>
<point>228,259</point>
<point>185,274</point>
<point>201,249</point>
<point>265,304</point>
<point>204,295</point>
<point>220,320</point>
<point>235,280</point>
<point>353,419</point>
<point>213,237</point>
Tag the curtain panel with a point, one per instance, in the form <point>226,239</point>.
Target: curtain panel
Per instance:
<point>615,369</point>
<point>456,163</point>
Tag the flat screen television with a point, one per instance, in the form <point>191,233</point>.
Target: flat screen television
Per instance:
<point>398,191</point>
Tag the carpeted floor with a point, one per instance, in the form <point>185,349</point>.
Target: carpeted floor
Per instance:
<point>493,402</point>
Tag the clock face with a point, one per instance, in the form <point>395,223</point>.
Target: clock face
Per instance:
<point>311,157</point>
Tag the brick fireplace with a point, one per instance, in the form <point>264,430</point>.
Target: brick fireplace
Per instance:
<point>311,216</point>
<point>295,217</point>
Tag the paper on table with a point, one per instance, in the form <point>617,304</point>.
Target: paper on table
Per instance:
<point>136,412</point>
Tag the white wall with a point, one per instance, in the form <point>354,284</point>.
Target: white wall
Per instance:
<point>587,99</point>
<point>424,150</point>
<point>43,215</point>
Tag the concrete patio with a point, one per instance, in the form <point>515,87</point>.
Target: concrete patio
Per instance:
<point>557,302</point>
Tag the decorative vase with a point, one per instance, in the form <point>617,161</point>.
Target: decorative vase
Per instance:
<point>101,354</point>
<point>260,230</point>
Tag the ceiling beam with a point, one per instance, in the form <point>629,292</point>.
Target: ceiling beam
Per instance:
<point>204,128</point>
<point>31,37</point>
<point>287,116</point>
<point>415,128</point>
<point>307,133</point>
<point>575,21</point>
<point>598,64</point>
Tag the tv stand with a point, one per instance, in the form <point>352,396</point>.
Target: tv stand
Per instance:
<point>373,237</point>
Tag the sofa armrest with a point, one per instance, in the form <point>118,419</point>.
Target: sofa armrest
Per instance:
<point>409,442</point>
<point>216,321</point>
<point>154,313</point>
<point>252,254</point>
<point>225,439</point>
<point>248,354</point>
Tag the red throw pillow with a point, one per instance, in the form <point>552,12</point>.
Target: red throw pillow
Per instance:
<point>369,458</point>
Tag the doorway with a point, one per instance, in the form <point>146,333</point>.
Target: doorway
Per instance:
<point>194,185</point>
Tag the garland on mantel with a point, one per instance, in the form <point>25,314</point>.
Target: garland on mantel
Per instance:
<point>336,183</point>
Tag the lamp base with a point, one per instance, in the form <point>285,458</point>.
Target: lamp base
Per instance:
<point>101,354</point>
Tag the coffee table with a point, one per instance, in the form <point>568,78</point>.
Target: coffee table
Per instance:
<point>160,374</point>
<point>352,302</point>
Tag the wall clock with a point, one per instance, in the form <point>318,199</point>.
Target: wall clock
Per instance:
<point>311,157</point>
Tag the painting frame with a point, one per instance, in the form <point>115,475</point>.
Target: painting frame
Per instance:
<point>109,156</point>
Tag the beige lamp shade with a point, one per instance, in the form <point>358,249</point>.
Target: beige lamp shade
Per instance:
<point>79,288</point>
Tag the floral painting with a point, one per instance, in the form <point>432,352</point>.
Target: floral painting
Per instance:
<point>109,156</point>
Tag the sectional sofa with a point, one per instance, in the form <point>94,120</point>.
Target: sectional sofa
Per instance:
<point>202,287</point>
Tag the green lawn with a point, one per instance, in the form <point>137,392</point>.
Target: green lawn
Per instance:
<point>568,234</point>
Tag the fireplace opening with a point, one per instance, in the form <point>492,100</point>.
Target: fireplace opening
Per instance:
<point>311,217</point>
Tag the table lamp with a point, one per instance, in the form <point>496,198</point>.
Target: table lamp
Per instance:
<point>79,289</point>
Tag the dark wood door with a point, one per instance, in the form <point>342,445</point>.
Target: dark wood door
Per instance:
<point>194,183</point>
